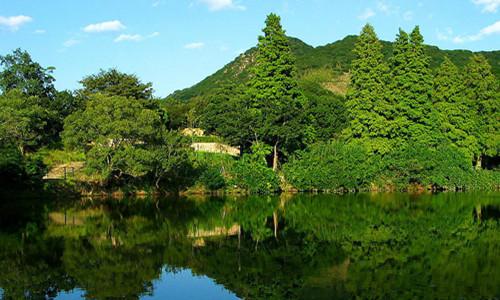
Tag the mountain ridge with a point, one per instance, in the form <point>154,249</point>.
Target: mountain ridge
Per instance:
<point>336,56</point>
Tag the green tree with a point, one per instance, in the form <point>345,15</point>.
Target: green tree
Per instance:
<point>326,111</point>
<point>483,99</point>
<point>252,173</point>
<point>124,140</point>
<point>66,103</point>
<point>457,118</point>
<point>23,122</point>
<point>115,83</point>
<point>227,115</point>
<point>275,99</point>
<point>114,130</point>
<point>367,105</point>
<point>414,118</point>
<point>22,73</point>
<point>170,166</point>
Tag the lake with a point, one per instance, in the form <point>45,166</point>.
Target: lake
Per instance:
<point>304,246</point>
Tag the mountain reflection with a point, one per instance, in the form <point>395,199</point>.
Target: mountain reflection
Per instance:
<point>304,246</point>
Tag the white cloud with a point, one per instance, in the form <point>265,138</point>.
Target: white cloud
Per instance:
<point>194,46</point>
<point>155,4</point>
<point>460,39</point>
<point>224,48</point>
<point>13,23</point>
<point>105,26</point>
<point>128,37</point>
<point>70,43</point>
<point>441,36</point>
<point>488,5</point>
<point>214,5</point>
<point>408,16</point>
<point>465,39</point>
<point>367,14</point>
<point>135,38</point>
<point>40,31</point>
<point>492,29</point>
<point>381,6</point>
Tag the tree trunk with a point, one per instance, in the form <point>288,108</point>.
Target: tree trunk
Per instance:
<point>21,149</point>
<point>275,219</point>
<point>275,159</point>
<point>239,239</point>
<point>479,163</point>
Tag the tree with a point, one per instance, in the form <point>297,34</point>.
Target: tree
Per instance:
<point>22,73</point>
<point>325,110</point>
<point>457,118</point>
<point>115,83</point>
<point>227,115</point>
<point>483,100</point>
<point>66,103</point>
<point>366,98</point>
<point>414,118</point>
<point>114,130</point>
<point>23,122</point>
<point>276,102</point>
<point>124,140</point>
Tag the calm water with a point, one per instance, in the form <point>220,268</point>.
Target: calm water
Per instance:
<point>373,246</point>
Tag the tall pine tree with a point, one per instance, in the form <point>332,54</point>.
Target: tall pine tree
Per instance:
<point>276,101</point>
<point>415,120</point>
<point>449,100</point>
<point>483,99</point>
<point>367,106</point>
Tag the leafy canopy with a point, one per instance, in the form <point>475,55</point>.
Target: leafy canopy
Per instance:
<point>115,83</point>
<point>22,73</point>
<point>276,102</point>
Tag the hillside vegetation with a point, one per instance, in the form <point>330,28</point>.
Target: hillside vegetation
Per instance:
<point>357,114</point>
<point>336,58</point>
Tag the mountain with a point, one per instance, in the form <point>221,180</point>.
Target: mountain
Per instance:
<point>327,65</point>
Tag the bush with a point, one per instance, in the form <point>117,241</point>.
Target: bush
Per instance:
<point>443,167</point>
<point>212,179</point>
<point>18,172</point>
<point>336,165</point>
<point>331,166</point>
<point>252,172</point>
<point>255,177</point>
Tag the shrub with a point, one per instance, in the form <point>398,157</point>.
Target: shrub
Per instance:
<point>252,172</point>
<point>330,166</point>
<point>212,179</point>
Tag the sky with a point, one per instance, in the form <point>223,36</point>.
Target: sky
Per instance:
<point>177,43</point>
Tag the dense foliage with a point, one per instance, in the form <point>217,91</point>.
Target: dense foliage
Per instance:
<point>18,173</point>
<point>337,56</point>
<point>124,140</point>
<point>366,245</point>
<point>413,128</point>
<point>276,103</point>
<point>353,115</point>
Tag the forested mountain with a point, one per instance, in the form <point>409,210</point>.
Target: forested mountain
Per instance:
<point>357,114</point>
<point>336,56</point>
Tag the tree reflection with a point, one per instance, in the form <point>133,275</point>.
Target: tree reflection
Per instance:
<point>306,246</point>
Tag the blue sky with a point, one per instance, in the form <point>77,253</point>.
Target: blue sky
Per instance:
<point>175,43</point>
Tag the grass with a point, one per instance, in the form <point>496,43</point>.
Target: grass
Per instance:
<point>54,157</point>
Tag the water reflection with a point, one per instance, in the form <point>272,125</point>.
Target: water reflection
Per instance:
<point>304,246</point>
